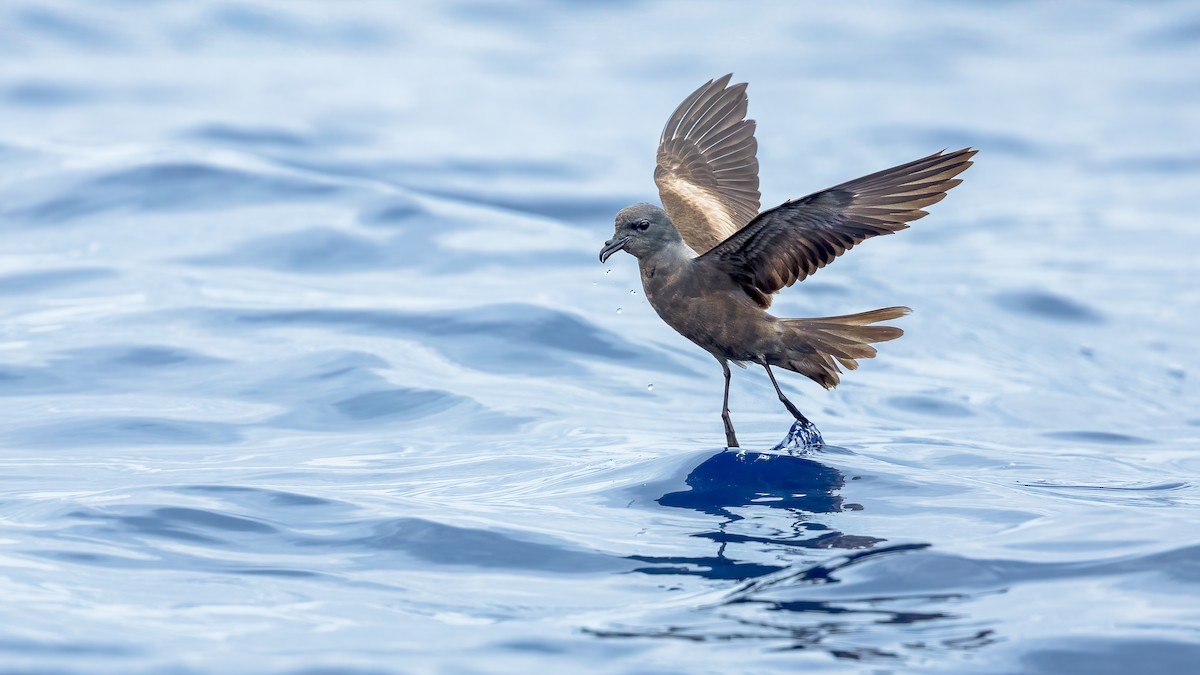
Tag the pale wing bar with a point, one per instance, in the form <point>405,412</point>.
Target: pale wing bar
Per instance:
<point>707,172</point>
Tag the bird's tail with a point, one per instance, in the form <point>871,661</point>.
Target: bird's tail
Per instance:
<point>815,347</point>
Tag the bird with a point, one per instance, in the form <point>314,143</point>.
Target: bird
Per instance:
<point>710,262</point>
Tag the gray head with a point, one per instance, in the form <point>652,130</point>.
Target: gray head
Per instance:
<point>641,230</point>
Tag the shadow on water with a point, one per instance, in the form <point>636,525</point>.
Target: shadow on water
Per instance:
<point>771,539</point>
<point>729,481</point>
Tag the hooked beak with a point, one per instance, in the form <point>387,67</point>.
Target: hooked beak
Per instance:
<point>612,246</point>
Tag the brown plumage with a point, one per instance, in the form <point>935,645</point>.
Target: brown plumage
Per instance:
<point>707,173</point>
<point>710,263</point>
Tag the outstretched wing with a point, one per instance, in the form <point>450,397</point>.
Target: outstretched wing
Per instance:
<point>791,241</point>
<point>707,173</point>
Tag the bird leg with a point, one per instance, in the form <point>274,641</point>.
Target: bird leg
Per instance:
<point>783,399</point>
<point>730,437</point>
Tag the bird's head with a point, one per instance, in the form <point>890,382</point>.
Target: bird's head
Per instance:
<point>640,230</point>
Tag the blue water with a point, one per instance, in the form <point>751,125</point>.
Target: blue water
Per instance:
<point>308,365</point>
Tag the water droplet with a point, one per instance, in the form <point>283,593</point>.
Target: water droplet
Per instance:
<point>594,283</point>
<point>618,310</point>
<point>650,387</point>
<point>608,271</point>
<point>632,292</point>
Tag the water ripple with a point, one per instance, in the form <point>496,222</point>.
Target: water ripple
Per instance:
<point>308,365</point>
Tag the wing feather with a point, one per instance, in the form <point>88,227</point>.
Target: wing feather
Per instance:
<point>788,243</point>
<point>707,171</point>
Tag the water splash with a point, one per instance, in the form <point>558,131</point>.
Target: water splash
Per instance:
<point>801,438</point>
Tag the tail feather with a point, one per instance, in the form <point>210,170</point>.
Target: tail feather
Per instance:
<point>815,347</point>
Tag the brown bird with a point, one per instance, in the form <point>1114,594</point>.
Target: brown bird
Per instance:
<point>710,261</point>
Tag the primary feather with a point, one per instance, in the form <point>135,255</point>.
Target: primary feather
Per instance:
<point>707,172</point>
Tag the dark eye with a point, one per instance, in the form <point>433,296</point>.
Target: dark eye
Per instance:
<point>641,224</point>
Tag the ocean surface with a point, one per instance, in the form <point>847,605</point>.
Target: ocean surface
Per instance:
<point>307,363</point>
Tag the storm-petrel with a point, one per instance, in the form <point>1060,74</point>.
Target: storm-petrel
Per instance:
<point>710,261</point>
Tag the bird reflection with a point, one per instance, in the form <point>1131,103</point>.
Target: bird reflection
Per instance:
<point>770,539</point>
<point>730,482</point>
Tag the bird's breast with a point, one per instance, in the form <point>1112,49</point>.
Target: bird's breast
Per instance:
<point>711,312</point>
